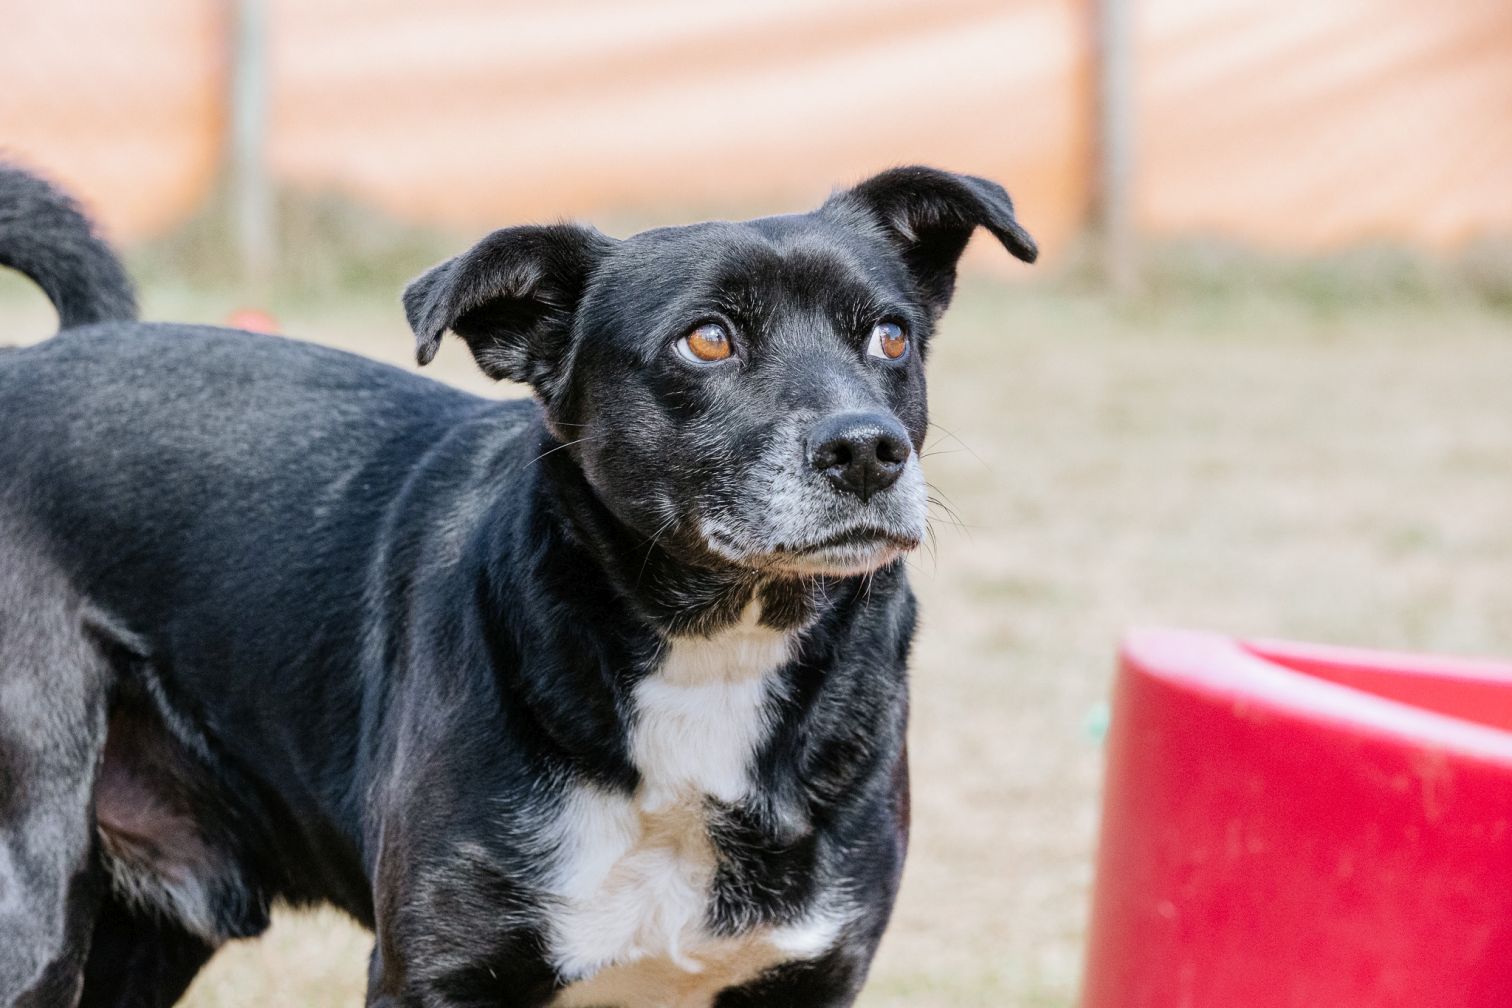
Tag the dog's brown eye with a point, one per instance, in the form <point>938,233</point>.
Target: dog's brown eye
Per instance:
<point>888,341</point>
<point>708,344</point>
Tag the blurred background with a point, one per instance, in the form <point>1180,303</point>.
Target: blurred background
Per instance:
<point>1260,382</point>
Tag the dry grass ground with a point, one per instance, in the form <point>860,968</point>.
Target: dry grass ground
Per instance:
<point>1273,461</point>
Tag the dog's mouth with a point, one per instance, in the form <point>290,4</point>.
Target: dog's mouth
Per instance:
<point>844,553</point>
<point>861,537</point>
<point>852,551</point>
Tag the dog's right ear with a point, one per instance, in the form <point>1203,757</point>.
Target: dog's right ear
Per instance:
<point>928,215</point>
<point>511,297</point>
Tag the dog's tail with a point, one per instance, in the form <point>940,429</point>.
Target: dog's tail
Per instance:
<point>44,235</point>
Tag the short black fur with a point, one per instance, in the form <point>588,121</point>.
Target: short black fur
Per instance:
<point>278,623</point>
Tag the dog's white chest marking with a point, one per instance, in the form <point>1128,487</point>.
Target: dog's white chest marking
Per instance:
<point>635,873</point>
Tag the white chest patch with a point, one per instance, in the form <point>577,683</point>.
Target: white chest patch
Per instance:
<point>634,873</point>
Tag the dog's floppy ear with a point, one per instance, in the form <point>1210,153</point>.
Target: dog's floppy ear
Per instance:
<point>511,297</point>
<point>929,214</point>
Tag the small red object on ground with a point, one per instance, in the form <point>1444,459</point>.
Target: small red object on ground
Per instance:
<point>1291,826</point>
<point>253,320</point>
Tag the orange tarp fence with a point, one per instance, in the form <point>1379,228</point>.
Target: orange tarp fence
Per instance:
<point>1293,125</point>
<point>1315,125</point>
<point>121,101</point>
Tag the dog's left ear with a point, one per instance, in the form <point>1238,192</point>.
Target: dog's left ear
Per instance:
<point>929,215</point>
<point>511,297</point>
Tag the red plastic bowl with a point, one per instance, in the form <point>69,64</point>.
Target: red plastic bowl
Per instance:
<point>1291,826</point>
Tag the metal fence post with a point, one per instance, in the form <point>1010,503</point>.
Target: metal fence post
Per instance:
<point>1113,173</point>
<point>250,194</point>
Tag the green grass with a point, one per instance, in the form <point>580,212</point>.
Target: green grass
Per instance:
<point>1319,450</point>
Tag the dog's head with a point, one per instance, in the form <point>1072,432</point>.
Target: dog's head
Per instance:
<point>747,394</point>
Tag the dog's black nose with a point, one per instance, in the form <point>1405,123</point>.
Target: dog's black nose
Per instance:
<point>860,453</point>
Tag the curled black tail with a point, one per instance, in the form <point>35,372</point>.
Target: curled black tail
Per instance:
<point>44,235</point>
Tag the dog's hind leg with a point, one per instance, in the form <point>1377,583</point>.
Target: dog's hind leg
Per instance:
<point>53,687</point>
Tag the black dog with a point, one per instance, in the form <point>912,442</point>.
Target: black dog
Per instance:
<point>592,700</point>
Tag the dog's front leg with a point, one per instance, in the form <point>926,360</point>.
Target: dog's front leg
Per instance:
<point>456,981</point>
<point>831,981</point>
<point>454,929</point>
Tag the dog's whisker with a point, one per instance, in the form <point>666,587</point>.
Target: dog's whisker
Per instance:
<point>550,451</point>
<point>951,434</point>
<point>652,546</point>
<point>937,499</point>
<point>948,516</point>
